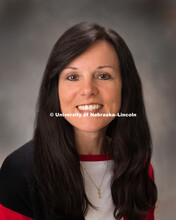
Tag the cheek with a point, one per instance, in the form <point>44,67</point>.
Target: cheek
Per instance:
<point>63,96</point>
<point>113,96</point>
<point>66,95</point>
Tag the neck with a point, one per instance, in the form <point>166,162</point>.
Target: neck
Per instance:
<point>92,143</point>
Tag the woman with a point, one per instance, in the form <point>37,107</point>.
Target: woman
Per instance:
<point>84,166</point>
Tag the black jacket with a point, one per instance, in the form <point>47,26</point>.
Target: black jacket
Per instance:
<point>18,194</point>
<point>19,199</point>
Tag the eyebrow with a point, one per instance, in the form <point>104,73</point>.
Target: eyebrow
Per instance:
<point>99,67</point>
<point>107,66</point>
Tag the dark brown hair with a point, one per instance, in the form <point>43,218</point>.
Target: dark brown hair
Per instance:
<point>56,160</point>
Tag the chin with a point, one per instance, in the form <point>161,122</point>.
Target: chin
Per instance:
<point>89,129</point>
<point>91,126</point>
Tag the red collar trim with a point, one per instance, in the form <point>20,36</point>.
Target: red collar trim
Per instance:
<point>95,157</point>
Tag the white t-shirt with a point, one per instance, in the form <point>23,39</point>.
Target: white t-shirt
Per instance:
<point>95,166</point>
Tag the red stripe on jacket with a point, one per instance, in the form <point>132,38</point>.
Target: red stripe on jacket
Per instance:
<point>8,214</point>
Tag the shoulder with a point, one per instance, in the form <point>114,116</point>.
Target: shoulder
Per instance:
<point>15,180</point>
<point>18,163</point>
<point>21,156</point>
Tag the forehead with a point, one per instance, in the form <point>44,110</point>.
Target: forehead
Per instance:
<point>100,53</point>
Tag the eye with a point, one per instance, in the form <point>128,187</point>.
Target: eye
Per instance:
<point>104,76</point>
<point>72,77</point>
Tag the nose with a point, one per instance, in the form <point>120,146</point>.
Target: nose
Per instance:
<point>88,88</point>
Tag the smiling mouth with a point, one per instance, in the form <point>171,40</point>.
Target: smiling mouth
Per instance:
<point>89,107</point>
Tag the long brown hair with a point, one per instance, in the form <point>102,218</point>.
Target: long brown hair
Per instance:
<point>56,160</point>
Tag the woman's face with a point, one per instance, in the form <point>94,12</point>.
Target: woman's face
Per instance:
<point>91,83</point>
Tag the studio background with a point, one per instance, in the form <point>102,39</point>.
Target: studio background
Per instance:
<point>28,31</point>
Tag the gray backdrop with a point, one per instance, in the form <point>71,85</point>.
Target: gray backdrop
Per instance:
<point>28,30</point>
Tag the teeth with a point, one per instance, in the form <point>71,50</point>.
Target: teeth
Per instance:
<point>89,107</point>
